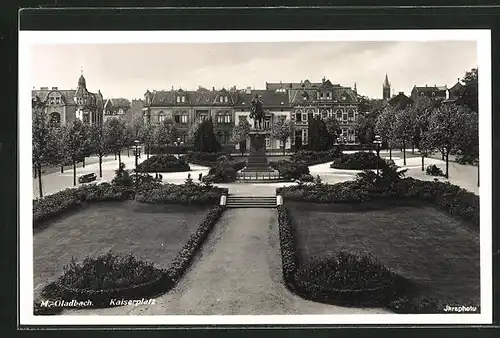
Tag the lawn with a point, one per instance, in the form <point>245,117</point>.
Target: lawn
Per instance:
<point>437,254</point>
<point>153,232</point>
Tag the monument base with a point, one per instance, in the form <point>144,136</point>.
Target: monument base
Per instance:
<point>257,159</point>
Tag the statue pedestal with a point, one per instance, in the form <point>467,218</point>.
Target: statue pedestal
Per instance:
<point>257,159</point>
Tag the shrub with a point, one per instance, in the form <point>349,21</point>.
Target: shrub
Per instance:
<point>184,194</point>
<point>163,163</point>
<point>433,170</point>
<point>100,279</point>
<point>345,278</point>
<point>225,171</point>
<point>184,258</point>
<point>343,192</point>
<point>358,161</point>
<point>205,159</point>
<point>306,178</point>
<point>310,157</point>
<point>287,246</point>
<point>290,170</point>
<point>122,177</point>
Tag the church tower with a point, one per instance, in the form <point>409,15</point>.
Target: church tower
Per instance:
<point>386,89</point>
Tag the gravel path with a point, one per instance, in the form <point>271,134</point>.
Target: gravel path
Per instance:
<point>237,272</point>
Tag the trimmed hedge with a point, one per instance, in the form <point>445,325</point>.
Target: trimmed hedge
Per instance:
<point>163,163</point>
<point>205,159</point>
<point>358,161</point>
<point>184,193</point>
<point>456,201</point>
<point>184,258</point>
<point>288,246</point>
<point>50,206</point>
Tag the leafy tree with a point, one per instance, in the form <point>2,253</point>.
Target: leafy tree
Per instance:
<point>41,142</point>
<point>404,127</point>
<point>333,127</point>
<point>319,138</point>
<point>146,136</point>
<point>116,138</point>
<point>282,130</point>
<point>448,125</point>
<point>365,128</point>
<point>470,94</point>
<point>240,133</point>
<point>204,138</point>
<point>75,139</point>
<point>468,140</point>
<point>165,133</point>
<point>98,143</point>
<point>384,126</point>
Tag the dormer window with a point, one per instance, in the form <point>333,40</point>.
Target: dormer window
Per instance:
<point>178,99</point>
<point>225,99</point>
<point>183,99</point>
<point>58,100</point>
<point>221,99</point>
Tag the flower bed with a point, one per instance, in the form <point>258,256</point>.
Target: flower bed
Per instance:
<point>287,246</point>
<point>163,163</point>
<point>184,193</point>
<point>184,258</point>
<point>358,161</point>
<point>345,279</point>
<point>105,278</point>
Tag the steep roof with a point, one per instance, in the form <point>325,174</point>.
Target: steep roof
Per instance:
<point>400,101</point>
<point>386,81</point>
<point>43,94</point>
<point>269,98</point>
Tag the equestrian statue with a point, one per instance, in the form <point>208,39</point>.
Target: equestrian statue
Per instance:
<point>257,113</point>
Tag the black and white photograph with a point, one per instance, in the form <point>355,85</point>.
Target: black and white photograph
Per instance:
<point>255,177</point>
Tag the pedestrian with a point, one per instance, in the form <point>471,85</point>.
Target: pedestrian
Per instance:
<point>161,177</point>
<point>200,176</point>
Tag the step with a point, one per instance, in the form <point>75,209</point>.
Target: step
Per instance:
<point>252,206</point>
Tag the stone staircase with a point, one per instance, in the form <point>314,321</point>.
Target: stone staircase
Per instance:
<point>251,201</point>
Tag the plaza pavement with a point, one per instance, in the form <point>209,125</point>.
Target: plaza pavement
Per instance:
<point>463,175</point>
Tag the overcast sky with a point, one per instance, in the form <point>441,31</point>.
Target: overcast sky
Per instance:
<point>127,70</point>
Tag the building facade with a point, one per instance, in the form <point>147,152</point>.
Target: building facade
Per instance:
<point>297,102</point>
<point>118,108</point>
<point>63,106</point>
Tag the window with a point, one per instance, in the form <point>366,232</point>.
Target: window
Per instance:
<point>339,114</point>
<point>227,118</point>
<point>183,99</point>
<point>225,99</point>
<point>433,93</point>
<point>344,117</point>
<point>422,94</point>
<point>58,100</point>
<point>324,114</point>
<point>328,95</point>
<point>304,117</point>
<point>161,117</point>
<point>268,142</point>
<point>184,118</point>
<point>221,99</point>
<point>178,99</point>
<point>350,116</point>
<point>304,136</point>
<point>55,118</point>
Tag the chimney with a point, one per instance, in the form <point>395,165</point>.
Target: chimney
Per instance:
<point>426,85</point>
<point>54,88</point>
<point>213,89</point>
<point>323,80</point>
<point>401,93</point>
<point>248,90</point>
<point>44,88</point>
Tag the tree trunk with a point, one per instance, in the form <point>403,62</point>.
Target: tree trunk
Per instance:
<point>34,172</point>
<point>284,148</point>
<point>39,169</point>
<point>423,162</point>
<point>119,159</point>
<point>412,148</point>
<point>447,164</point>
<point>404,152</point>
<point>100,165</point>
<point>74,173</point>
<point>147,153</point>
<point>442,155</point>
<point>84,161</point>
<point>128,151</point>
<point>478,173</point>
<point>115,156</point>
<point>390,153</point>
<point>62,169</point>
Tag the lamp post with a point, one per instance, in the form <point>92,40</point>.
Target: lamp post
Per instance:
<point>377,142</point>
<point>178,144</point>
<point>137,153</point>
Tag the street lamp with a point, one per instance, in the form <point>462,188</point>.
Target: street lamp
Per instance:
<point>137,153</point>
<point>377,142</point>
<point>178,144</point>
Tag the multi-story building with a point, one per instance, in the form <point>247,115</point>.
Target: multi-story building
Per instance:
<point>63,106</point>
<point>432,92</point>
<point>297,102</point>
<point>400,101</point>
<point>116,108</point>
